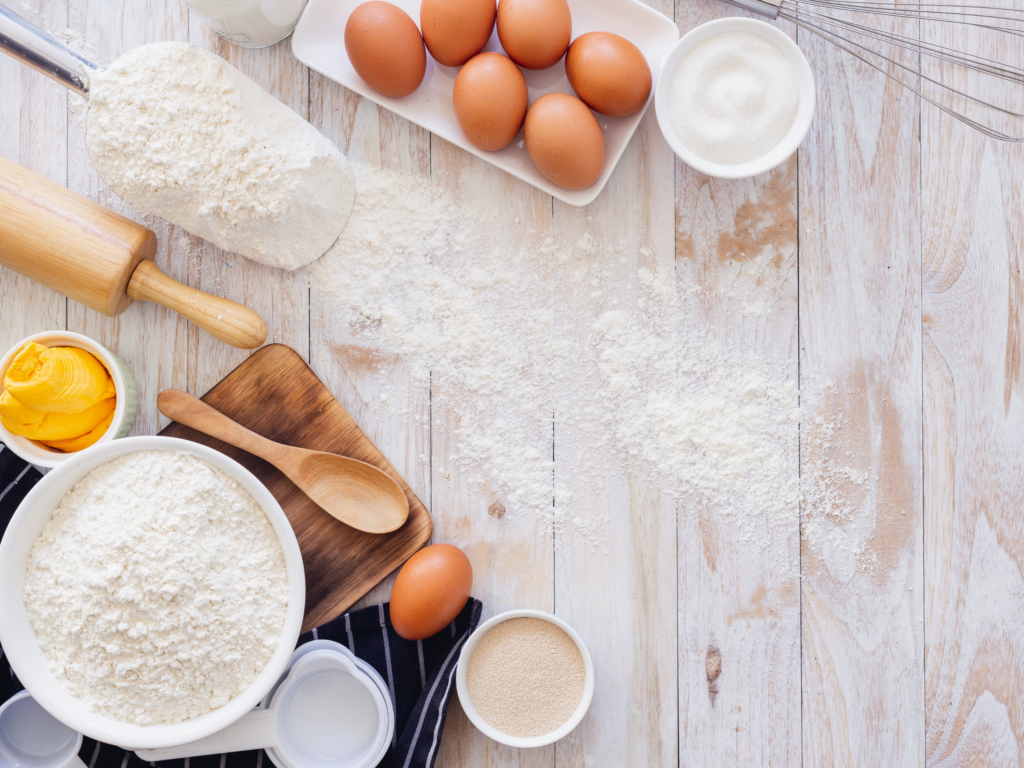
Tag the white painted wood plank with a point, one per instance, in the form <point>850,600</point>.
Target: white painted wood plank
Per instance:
<point>618,591</point>
<point>861,435</point>
<point>739,604</point>
<point>739,622</point>
<point>973,422</point>
<point>33,133</point>
<point>511,555</point>
<point>355,374</point>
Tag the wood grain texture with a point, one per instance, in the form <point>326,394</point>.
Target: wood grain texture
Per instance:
<point>973,420</point>
<point>739,607</point>
<point>276,395</point>
<point>222,318</point>
<point>358,494</point>
<point>278,296</point>
<point>695,633</point>
<point>619,592</point>
<point>512,554</point>
<point>67,241</point>
<point>860,371</point>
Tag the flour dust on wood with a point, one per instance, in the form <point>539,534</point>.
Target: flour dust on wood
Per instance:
<point>431,282</point>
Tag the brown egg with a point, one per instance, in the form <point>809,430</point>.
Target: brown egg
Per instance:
<point>456,30</point>
<point>564,140</point>
<point>430,590</point>
<point>534,33</point>
<point>608,73</point>
<point>490,100</point>
<point>385,48</point>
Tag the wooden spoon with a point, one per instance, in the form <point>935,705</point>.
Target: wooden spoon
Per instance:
<point>356,493</point>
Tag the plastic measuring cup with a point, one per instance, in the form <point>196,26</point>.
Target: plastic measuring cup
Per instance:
<point>30,737</point>
<point>327,712</point>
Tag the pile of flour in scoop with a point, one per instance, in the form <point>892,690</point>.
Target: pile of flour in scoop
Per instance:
<point>178,132</point>
<point>157,589</point>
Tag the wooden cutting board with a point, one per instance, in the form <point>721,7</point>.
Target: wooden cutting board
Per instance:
<point>275,394</point>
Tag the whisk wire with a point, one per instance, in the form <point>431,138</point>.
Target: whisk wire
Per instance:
<point>943,53</point>
<point>830,20</point>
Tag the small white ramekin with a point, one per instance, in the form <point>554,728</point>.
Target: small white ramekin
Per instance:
<point>124,386</point>
<point>804,111</point>
<point>519,741</point>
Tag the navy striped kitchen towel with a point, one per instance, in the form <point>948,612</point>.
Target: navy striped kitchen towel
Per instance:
<point>420,675</point>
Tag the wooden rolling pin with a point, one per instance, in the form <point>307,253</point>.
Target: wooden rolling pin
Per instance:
<point>101,259</point>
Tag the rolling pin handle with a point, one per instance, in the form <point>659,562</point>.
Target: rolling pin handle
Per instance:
<point>228,321</point>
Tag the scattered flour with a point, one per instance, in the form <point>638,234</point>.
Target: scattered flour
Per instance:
<point>444,287</point>
<point>413,276</point>
<point>157,589</point>
<point>840,506</point>
<point>178,132</point>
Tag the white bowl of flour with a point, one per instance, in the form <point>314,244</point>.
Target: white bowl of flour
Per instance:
<point>255,595</point>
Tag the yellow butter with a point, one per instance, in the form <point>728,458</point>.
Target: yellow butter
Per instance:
<point>57,379</point>
<point>83,442</point>
<point>14,412</point>
<point>63,426</point>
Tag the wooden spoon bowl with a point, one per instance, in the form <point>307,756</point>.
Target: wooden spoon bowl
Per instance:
<point>356,493</point>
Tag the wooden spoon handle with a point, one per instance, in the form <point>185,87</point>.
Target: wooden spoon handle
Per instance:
<point>230,322</point>
<point>193,412</point>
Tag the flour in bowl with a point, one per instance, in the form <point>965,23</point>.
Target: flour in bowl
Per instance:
<point>178,132</point>
<point>157,589</point>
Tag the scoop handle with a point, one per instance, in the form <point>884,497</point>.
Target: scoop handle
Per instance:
<point>232,323</point>
<point>257,730</point>
<point>44,53</point>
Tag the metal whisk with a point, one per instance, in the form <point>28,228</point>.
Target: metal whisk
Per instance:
<point>912,43</point>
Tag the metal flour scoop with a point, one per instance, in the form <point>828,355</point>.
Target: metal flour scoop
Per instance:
<point>45,53</point>
<point>237,167</point>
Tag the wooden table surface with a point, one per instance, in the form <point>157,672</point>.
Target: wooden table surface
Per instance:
<point>896,240</point>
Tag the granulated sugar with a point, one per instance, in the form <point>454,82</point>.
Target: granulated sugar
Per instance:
<point>526,677</point>
<point>733,98</point>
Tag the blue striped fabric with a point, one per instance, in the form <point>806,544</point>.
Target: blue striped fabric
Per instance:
<point>420,675</point>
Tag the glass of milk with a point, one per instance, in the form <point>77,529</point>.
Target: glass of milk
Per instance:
<point>250,23</point>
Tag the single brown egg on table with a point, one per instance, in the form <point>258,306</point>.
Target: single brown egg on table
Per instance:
<point>534,33</point>
<point>564,140</point>
<point>385,48</point>
<point>490,100</point>
<point>608,73</point>
<point>456,30</point>
<point>430,591</point>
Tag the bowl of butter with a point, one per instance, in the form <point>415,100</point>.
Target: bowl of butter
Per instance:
<point>60,393</point>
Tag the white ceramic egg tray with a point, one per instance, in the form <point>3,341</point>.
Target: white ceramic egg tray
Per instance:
<point>319,43</point>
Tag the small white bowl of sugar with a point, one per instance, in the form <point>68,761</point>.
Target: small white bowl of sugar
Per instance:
<point>735,98</point>
<point>525,678</point>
